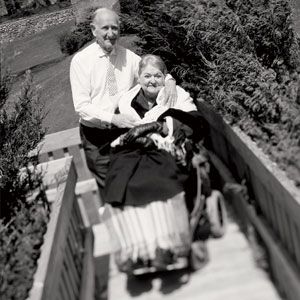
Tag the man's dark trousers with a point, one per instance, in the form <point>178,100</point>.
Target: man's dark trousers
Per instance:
<point>96,145</point>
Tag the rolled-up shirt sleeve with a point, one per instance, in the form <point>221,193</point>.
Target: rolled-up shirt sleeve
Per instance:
<point>81,93</point>
<point>168,77</point>
<point>185,101</point>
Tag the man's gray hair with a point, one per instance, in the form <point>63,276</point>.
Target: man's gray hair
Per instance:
<point>103,10</point>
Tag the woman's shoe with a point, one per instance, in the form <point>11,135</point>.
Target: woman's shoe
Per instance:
<point>163,258</point>
<point>126,266</point>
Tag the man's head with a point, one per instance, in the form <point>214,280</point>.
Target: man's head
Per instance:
<point>106,28</point>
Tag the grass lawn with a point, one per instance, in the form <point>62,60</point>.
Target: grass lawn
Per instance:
<point>50,68</point>
<point>36,50</point>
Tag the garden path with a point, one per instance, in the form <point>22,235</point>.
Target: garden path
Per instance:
<point>230,272</point>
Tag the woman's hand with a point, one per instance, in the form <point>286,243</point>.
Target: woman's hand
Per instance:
<point>142,130</point>
<point>143,141</point>
<point>170,93</point>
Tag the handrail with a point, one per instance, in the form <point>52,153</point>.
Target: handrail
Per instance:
<point>62,144</point>
<point>61,273</point>
<point>68,143</point>
<point>276,199</point>
<point>60,140</point>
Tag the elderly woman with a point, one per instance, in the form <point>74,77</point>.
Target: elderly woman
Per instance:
<point>149,171</point>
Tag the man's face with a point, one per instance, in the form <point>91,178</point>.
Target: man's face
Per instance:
<point>106,30</point>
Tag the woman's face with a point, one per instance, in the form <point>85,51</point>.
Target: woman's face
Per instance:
<point>151,80</point>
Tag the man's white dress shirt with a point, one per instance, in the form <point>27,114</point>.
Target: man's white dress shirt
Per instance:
<point>88,82</point>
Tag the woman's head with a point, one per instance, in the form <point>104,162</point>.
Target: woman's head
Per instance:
<point>152,71</point>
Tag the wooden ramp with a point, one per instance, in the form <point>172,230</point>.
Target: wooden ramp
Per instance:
<point>230,274</point>
<point>231,271</point>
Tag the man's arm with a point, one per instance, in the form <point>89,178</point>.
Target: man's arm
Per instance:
<point>184,100</point>
<point>80,85</point>
<point>170,91</point>
<point>123,121</point>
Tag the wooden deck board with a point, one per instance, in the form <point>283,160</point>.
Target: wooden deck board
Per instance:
<point>231,273</point>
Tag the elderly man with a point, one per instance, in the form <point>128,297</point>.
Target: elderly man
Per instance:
<point>100,74</point>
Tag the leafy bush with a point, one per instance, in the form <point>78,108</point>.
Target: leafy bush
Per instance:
<point>22,221</point>
<point>21,130</point>
<point>20,243</point>
<point>72,41</point>
<point>241,56</point>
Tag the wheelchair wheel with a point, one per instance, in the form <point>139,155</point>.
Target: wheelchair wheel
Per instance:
<point>216,211</point>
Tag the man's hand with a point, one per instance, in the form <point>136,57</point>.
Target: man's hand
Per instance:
<point>123,121</point>
<point>170,92</point>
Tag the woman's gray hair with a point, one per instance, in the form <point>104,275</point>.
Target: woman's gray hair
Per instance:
<point>153,60</point>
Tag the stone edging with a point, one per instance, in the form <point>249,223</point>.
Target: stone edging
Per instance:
<point>21,28</point>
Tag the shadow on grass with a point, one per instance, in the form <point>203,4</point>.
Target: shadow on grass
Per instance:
<point>39,67</point>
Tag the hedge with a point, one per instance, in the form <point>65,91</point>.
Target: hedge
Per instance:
<point>241,56</point>
<point>22,221</point>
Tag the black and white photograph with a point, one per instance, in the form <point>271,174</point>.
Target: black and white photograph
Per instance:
<point>149,149</point>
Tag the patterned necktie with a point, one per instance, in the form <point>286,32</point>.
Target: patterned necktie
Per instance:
<point>111,82</point>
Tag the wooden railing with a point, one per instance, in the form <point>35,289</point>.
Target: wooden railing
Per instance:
<point>64,144</point>
<point>67,143</point>
<point>276,209</point>
<point>61,271</point>
<point>277,218</point>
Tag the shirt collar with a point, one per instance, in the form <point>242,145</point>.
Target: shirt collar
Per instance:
<point>103,54</point>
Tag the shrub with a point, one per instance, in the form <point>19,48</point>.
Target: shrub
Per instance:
<point>21,131</point>
<point>72,41</point>
<point>22,221</point>
<point>20,243</point>
<point>241,56</point>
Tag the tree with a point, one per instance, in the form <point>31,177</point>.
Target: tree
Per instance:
<point>20,130</point>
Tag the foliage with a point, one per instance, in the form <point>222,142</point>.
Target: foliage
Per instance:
<point>24,210</point>
<point>20,243</point>
<point>5,85</point>
<point>24,8</point>
<point>21,130</point>
<point>241,56</point>
<point>72,41</point>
